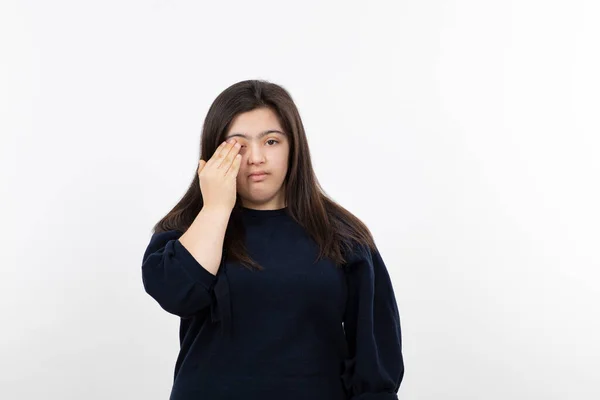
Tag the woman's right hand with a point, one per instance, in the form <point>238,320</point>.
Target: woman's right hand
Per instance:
<point>218,176</point>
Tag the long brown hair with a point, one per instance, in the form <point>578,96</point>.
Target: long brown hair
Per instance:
<point>332,227</point>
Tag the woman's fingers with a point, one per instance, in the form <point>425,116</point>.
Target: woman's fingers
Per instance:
<point>223,159</point>
<point>217,186</point>
<point>235,166</point>
<point>201,165</point>
<point>219,154</point>
<point>231,150</point>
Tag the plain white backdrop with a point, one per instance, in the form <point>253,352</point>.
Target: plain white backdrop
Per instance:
<point>465,134</point>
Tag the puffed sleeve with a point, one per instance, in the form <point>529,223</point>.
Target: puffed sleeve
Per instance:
<point>375,367</point>
<point>173,277</point>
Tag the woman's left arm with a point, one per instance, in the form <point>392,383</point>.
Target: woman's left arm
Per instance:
<point>375,367</point>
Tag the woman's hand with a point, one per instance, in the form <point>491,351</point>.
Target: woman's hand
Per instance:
<point>218,176</point>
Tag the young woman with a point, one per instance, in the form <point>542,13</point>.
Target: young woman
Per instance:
<point>281,292</point>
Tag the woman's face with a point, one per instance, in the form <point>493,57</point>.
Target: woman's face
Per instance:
<point>265,148</point>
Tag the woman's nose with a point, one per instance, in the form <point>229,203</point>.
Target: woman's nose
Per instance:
<point>254,154</point>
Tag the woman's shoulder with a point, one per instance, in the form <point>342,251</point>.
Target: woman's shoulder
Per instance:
<point>160,238</point>
<point>165,235</point>
<point>356,253</point>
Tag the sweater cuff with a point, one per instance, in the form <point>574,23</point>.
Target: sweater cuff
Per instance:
<point>193,267</point>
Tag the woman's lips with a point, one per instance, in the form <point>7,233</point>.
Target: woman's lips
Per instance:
<point>257,177</point>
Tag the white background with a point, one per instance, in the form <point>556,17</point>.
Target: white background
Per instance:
<point>465,134</point>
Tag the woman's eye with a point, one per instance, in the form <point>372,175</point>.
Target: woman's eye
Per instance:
<point>270,140</point>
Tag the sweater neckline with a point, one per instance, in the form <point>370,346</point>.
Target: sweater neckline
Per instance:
<point>252,212</point>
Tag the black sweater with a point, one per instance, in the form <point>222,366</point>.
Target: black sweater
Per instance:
<point>296,330</point>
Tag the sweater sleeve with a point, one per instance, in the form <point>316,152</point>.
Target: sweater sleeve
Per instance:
<point>375,367</point>
<point>173,277</point>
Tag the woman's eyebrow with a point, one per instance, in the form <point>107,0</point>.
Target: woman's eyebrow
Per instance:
<point>260,135</point>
